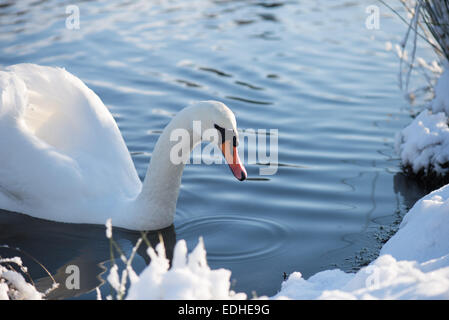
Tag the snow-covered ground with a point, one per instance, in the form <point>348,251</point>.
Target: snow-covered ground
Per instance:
<point>13,285</point>
<point>188,278</point>
<point>413,264</point>
<point>424,144</point>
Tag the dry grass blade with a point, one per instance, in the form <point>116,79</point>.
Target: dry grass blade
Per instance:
<point>436,17</point>
<point>429,20</point>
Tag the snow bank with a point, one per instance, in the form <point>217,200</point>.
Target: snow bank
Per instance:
<point>13,285</point>
<point>385,278</point>
<point>441,100</point>
<point>424,144</point>
<point>188,278</point>
<point>413,264</point>
<point>424,231</point>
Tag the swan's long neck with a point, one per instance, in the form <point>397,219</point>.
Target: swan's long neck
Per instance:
<point>156,204</point>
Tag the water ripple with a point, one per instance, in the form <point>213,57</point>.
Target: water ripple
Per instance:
<point>240,237</point>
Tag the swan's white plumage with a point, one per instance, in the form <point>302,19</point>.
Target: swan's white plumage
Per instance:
<point>62,154</point>
<point>63,158</point>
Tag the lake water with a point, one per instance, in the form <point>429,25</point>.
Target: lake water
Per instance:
<point>310,69</point>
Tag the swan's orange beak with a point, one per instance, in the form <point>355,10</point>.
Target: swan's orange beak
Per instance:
<point>232,158</point>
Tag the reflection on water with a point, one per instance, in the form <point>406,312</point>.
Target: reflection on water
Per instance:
<point>309,69</point>
<point>56,246</point>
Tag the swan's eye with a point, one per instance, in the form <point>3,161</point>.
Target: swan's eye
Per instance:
<point>226,134</point>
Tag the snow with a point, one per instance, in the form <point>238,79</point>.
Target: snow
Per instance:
<point>433,67</point>
<point>13,285</point>
<point>296,287</point>
<point>114,278</point>
<point>413,264</point>
<point>188,278</point>
<point>108,228</point>
<point>441,100</point>
<point>424,231</point>
<point>386,278</point>
<point>424,144</point>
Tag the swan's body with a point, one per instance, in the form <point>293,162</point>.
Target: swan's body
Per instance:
<point>62,156</point>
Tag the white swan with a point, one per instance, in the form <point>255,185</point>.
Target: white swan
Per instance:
<point>62,156</point>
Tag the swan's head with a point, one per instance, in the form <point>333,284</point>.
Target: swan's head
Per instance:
<point>218,119</point>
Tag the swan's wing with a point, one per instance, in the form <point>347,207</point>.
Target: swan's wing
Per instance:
<point>57,137</point>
